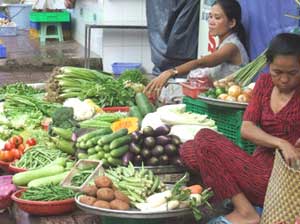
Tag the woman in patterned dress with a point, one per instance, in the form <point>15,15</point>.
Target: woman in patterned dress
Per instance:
<point>271,120</point>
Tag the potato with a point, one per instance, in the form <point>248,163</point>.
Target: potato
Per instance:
<point>90,190</point>
<point>119,205</point>
<point>88,200</point>
<point>105,194</point>
<point>103,181</point>
<point>121,196</point>
<point>102,204</point>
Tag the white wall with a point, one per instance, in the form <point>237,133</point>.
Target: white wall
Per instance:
<point>114,45</point>
<point>87,12</point>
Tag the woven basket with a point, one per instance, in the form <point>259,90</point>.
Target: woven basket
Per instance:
<point>282,201</point>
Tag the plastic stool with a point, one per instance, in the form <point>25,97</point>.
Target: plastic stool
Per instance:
<point>43,32</point>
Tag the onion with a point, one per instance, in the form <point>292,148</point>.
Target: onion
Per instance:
<point>243,98</point>
<point>230,98</point>
<point>223,96</point>
<point>234,91</point>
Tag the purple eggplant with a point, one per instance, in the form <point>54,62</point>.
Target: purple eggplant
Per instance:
<point>162,140</point>
<point>158,150</point>
<point>153,161</point>
<point>175,140</point>
<point>149,142</point>
<point>162,130</point>
<point>127,157</point>
<point>176,161</point>
<point>163,160</point>
<point>138,160</point>
<point>148,131</point>
<point>136,136</point>
<point>134,148</point>
<point>171,150</point>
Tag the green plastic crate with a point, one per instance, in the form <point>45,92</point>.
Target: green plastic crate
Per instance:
<point>50,17</point>
<point>228,120</point>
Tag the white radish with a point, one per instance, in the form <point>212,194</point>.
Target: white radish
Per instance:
<point>183,204</point>
<point>158,199</point>
<point>170,205</point>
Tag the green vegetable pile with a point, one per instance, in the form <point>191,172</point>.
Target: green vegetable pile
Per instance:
<point>38,156</point>
<point>18,88</point>
<point>47,193</point>
<point>79,178</point>
<point>70,82</point>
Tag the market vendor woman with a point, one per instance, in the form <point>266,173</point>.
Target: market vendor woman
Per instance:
<point>225,23</point>
<point>271,120</point>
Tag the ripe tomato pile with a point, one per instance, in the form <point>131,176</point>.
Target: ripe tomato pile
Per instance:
<point>15,147</point>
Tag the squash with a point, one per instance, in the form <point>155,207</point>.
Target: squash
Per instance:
<point>131,123</point>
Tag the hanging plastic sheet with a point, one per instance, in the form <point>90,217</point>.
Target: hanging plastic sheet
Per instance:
<point>173,32</point>
<point>263,19</point>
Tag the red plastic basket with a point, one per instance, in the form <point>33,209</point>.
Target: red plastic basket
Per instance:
<point>44,207</point>
<point>14,169</point>
<point>4,165</point>
<point>191,91</point>
<point>115,109</point>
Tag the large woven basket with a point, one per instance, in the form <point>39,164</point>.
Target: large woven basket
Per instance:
<point>282,201</point>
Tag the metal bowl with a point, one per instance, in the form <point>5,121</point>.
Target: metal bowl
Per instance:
<point>132,213</point>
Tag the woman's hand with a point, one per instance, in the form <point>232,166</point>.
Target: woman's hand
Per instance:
<point>155,86</point>
<point>290,153</point>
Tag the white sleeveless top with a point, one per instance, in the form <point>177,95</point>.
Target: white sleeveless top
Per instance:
<point>224,69</point>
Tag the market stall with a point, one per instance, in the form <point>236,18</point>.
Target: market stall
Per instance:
<point>61,138</point>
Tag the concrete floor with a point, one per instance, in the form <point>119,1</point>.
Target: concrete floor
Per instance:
<point>30,62</point>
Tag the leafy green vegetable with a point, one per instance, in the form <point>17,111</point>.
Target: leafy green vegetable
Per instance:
<point>134,75</point>
<point>18,88</point>
<point>63,118</point>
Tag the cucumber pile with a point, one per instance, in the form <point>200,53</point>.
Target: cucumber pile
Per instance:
<point>155,147</point>
<point>104,145</point>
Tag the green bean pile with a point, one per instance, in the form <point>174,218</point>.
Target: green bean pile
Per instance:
<point>47,193</point>
<point>79,178</point>
<point>38,156</point>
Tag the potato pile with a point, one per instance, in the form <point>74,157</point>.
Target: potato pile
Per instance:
<point>104,195</point>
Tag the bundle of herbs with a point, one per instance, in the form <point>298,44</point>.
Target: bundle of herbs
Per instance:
<point>18,88</point>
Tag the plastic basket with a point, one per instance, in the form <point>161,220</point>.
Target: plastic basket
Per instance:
<point>44,207</point>
<point>118,67</point>
<point>8,31</point>
<point>191,91</point>
<point>63,16</point>
<point>2,51</point>
<point>115,109</point>
<point>228,120</point>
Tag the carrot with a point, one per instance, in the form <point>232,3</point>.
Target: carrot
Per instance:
<point>195,189</point>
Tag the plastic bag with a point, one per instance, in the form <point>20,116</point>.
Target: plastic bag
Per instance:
<point>200,78</point>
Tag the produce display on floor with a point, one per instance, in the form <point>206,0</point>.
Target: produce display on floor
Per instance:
<point>88,134</point>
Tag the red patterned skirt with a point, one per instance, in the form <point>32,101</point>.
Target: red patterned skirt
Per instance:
<point>227,168</point>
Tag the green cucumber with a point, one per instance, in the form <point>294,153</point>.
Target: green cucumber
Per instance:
<point>118,152</point>
<point>55,179</point>
<point>63,133</point>
<point>64,145</point>
<point>124,140</point>
<point>144,105</point>
<point>135,112</point>
<point>91,151</point>
<point>106,148</point>
<point>100,155</point>
<point>82,155</point>
<point>101,131</point>
<point>98,148</point>
<point>94,157</point>
<point>109,138</point>
<point>114,162</point>
<point>23,178</point>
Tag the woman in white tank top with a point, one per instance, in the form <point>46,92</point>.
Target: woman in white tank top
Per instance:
<point>225,23</point>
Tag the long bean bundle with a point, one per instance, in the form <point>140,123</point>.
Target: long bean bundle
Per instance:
<point>47,193</point>
<point>38,156</point>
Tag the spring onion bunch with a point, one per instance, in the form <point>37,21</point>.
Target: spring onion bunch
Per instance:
<point>245,75</point>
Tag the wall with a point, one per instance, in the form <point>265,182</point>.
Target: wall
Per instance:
<point>114,45</point>
<point>87,12</point>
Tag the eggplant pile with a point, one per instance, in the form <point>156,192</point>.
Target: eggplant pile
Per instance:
<point>154,147</point>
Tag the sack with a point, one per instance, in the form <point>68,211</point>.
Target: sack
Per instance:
<point>282,200</point>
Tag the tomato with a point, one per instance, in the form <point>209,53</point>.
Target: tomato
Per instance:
<point>1,155</point>
<point>9,146</point>
<point>13,140</point>
<point>8,156</point>
<point>19,139</point>
<point>16,153</point>
<point>21,148</point>
<point>31,141</point>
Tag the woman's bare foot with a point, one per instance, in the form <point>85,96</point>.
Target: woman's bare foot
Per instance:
<point>237,217</point>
